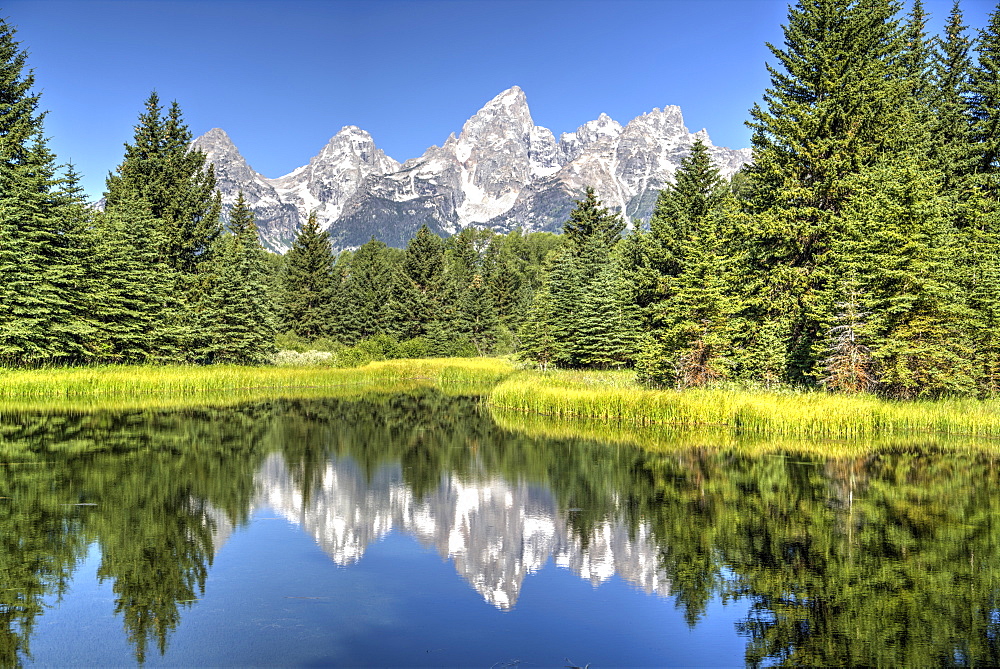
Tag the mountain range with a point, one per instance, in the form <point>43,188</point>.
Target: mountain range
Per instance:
<point>501,171</point>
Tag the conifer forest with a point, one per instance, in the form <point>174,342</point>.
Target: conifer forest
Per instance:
<point>859,252</point>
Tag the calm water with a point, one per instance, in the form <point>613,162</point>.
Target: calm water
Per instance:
<point>414,531</point>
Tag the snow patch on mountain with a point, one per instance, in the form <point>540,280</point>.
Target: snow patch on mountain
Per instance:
<point>501,171</point>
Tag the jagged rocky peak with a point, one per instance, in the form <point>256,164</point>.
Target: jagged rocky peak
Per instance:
<point>599,133</point>
<point>500,171</point>
<point>219,149</point>
<point>216,138</point>
<point>357,146</point>
<point>503,124</point>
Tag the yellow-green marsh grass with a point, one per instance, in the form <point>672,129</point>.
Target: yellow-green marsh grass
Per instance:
<point>662,438</point>
<point>172,381</point>
<point>811,414</point>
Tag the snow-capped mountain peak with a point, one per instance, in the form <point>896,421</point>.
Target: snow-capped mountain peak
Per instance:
<point>500,171</point>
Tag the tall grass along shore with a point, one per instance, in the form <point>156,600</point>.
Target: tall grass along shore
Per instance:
<point>458,374</point>
<point>606,396</point>
<point>616,396</point>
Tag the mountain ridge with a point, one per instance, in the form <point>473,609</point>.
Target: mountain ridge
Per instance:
<point>501,171</point>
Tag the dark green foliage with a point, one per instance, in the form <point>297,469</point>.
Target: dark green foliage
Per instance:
<point>592,231</point>
<point>476,318</point>
<point>43,241</point>
<point>682,206</point>
<point>161,170</point>
<point>239,314</point>
<point>309,286</point>
<point>917,330</point>
<point>415,300</point>
<point>136,312</point>
<point>586,316</point>
<point>687,280</point>
<point>607,323</point>
<point>365,293</point>
<point>949,107</point>
<point>174,189</point>
<point>842,177</point>
<point>985,97</point>
<point>537,335</point>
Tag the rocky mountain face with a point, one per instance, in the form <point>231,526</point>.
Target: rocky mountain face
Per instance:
<point>502,171</point>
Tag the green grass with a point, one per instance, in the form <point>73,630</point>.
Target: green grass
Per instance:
<point>173,382</point>
<point>807,414</point>
<point>613,397</point>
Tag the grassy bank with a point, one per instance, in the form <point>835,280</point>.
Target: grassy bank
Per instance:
<point>600,396</point>
<point>665,438</point>
<point>808,414</point>
<point>471,375</point>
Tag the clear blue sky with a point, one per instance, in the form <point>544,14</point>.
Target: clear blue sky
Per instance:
<point>283,77</point>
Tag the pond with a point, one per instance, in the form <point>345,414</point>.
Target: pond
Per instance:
<point>417,529</point>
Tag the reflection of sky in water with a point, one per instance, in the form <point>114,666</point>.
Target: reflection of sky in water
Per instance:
<point>274,598</point>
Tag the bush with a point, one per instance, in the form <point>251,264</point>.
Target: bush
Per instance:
<point>293,358</point>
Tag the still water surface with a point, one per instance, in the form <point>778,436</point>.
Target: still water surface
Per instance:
<point>414,530</point>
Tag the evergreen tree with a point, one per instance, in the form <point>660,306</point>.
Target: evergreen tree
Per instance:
<point>607,324</point>
<point>537,334</point>
<point>567,287</point>
<point>692,327</point>
<point>365,292</point>
<point>477,319</point>
<point>309,285</point>
<point>417,284</point>
<point>839,110</point>
<point>952,145</point>
<point>135,310</point>
<point>174,181</point>
<point>592,231</point>
<point>903,250</point>
<point>42,229</point>
<point>240,320</point>
<point>504,266</point>
<point>697,190</point>
<point>985,99</point>
<point>690,309</point>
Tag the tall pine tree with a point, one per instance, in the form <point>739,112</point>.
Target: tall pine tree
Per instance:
<point>240,319</point>
<point>309,287</point>
<point>43,243</point>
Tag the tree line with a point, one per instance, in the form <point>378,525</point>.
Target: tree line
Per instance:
<point>858,252</point>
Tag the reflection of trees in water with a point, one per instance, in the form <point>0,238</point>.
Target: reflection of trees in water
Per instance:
<point>157,483</point>
<point>880,559</point>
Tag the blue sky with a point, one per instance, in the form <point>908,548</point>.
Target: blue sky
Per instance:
<point>283,77</point>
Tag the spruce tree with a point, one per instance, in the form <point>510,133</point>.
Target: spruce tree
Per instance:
<point>240,320</point>
<point>43,246</point>
<point>682,206</point>
<point>950,106</point>
<point>838,115</point>
<point>476,317</point>
<point>537,334</point>
<point>417,284</point>
<point>985,99</point>
<point>607,324</point>
<point>689,311</point>
<point>365,292</point>
<point>567,287</point>
<point>308,283</point>
<point>592,231</point>
<point>135,310</point>
<point>693,325</point>
<point>175,182</point>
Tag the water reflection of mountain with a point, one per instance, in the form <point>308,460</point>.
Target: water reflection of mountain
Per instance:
<point>494,531</point>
